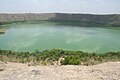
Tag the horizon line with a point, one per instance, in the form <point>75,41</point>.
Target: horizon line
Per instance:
<point>58,13</point>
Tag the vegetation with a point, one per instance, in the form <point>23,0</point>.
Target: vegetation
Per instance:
<point>48,57</point>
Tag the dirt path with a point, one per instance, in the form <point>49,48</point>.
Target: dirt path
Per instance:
<point>104,71</point>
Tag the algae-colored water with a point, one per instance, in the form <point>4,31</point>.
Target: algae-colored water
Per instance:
<point>49,35</point>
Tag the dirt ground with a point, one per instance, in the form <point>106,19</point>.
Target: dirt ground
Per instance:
<point>18,71</point>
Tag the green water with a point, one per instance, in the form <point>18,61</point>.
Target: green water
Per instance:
<point>49,35</point>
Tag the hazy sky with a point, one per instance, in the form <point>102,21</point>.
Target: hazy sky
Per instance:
<point>62,6</point>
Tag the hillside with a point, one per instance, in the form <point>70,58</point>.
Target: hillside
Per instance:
<point>113,19</point>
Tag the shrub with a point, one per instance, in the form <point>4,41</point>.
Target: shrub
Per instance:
<point>70,61</point>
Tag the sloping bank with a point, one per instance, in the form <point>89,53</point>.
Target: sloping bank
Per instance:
<point>108,20</point>
<point>58,57</point>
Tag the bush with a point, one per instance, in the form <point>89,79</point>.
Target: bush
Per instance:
<point>70,61</point>
<point>49,56</point>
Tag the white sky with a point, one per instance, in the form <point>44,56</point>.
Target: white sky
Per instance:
<point>60,6</point>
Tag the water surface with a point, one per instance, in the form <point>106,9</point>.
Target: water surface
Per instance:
<point>49,35</point>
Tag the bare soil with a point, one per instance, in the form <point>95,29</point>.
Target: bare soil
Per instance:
<point>18,71</point>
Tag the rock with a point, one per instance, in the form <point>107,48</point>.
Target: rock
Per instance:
<point>35,72</point>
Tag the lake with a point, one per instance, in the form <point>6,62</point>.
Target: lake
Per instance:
<point>49,35</point>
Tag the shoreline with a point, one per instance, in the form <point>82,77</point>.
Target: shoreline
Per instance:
<point>58,57</point>
<point>110,20</point>
<point>2,31</point>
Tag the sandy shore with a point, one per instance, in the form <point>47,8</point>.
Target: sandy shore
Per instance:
<point>104,71</point>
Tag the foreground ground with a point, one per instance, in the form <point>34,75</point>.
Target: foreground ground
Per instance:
<point>104,71</point>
